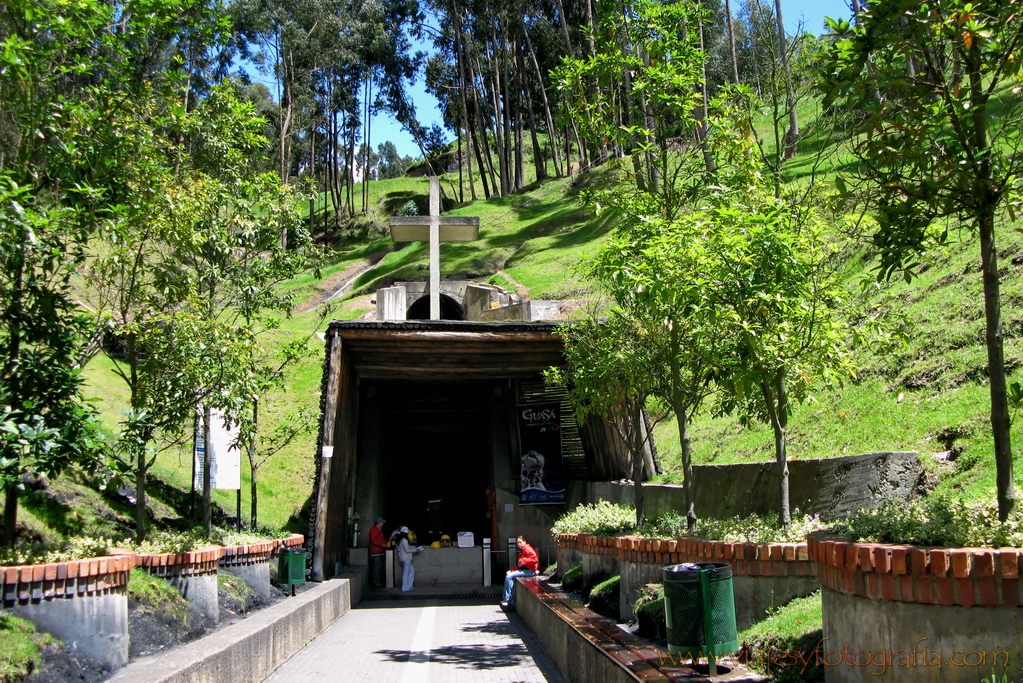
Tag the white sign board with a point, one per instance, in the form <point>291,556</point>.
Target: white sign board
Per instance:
<point>225,454</point>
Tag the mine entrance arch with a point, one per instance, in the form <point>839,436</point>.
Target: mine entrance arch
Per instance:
<point>412,410</point>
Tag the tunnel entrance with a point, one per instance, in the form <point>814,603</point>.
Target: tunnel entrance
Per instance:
<point>449,309</point>
<point>436,457</point>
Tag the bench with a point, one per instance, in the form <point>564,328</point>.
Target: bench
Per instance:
<point>588,647</point>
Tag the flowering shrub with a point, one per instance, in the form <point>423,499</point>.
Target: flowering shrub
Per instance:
<point>80,547</point>
<point>74,548</point>
<point>936,521</point>
<point>600,519</point>
<point>607,519</point>
<point>756,529</point>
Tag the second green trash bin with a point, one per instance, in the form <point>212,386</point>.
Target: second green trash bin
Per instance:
<point>699,608</point>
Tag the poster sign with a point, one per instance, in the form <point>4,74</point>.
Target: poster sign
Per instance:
<point>541,462</point>
<point>225,454</point>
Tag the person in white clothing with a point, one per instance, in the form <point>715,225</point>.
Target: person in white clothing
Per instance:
<point>405,553</point>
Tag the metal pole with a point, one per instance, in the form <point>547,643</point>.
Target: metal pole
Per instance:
<point>486,562</point>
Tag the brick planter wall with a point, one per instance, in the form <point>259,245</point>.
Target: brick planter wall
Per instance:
<point>292,541</point>
<point>918,607</point>
<point>193,573</point>
<point>764,575</point>
<point>568,552</point>
<point>82,602</point>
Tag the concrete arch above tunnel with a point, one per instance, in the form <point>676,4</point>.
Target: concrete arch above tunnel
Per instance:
<point>450,309</point>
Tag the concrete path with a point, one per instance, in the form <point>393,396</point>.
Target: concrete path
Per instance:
<point>422,641</point>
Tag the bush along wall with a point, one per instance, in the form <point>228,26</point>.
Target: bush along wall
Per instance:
<point>913,613</point>
<point>604,598</point>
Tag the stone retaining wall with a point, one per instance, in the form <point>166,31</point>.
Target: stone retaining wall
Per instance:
<point>829,487</point>
<point>910,613</point>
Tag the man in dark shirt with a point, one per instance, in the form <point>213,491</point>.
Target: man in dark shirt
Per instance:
<point>528,565</point>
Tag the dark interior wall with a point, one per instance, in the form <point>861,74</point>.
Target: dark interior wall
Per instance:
<point>422,442</point>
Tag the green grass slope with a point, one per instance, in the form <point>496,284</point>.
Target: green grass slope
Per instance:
<point>929,396</point>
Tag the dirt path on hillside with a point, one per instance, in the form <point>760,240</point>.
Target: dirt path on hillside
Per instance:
<point>520,288</point>
<point>338,283</point>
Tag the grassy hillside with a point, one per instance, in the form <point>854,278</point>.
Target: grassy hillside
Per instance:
<point>928,396</point>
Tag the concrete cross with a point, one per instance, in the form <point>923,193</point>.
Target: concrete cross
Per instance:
<point>434,229</point>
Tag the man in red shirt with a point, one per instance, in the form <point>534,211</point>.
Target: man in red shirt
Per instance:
<point>376,552</point>
<point>528,565</point>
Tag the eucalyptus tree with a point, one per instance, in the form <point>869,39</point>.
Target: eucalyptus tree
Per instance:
<point>640,92</point>
<point>940,133</point>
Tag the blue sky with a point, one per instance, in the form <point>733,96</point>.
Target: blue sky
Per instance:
<point>810,12</point>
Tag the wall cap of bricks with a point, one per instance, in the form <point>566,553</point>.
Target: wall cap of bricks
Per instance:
<point>69,579</point>
<point>918,574</point>
<point>746,559</point>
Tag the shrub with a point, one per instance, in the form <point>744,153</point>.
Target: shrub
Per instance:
<point>604,598</point>
<point>600,519</point>
<point>73,548</point>
<point>757,529</point>
<point>752,529</point>
<point>409,209</point>
<point>935,521</point>
<point>572,581</point>
<point>649,609</point>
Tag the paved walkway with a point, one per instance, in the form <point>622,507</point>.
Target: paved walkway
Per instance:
<point>422,641</point>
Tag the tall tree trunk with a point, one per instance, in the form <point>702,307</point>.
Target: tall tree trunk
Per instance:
<point>731,41</point>
<point>486,163</point>
<point>792,135</point>
<point>518,120</point>
<point>634,431</point>
<point>564,27</point>
<point>543,92</point>
<point>495,96</point>
<point>254,468</point>
<point>207,490</point>
<point>776,399</point>
<point>680,408</point>
<point>463,101</point>
<point>1000,423</point>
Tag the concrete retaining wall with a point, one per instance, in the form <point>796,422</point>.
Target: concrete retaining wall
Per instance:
<point>252,649</point>
<point>577,658</point>
<point>906,613</point>
<point>82,602</point>
<point>193,573</point>
<point>829,487</point>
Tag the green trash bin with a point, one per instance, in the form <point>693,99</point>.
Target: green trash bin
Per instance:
<point>699,608</point>
<point>291,567</point>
